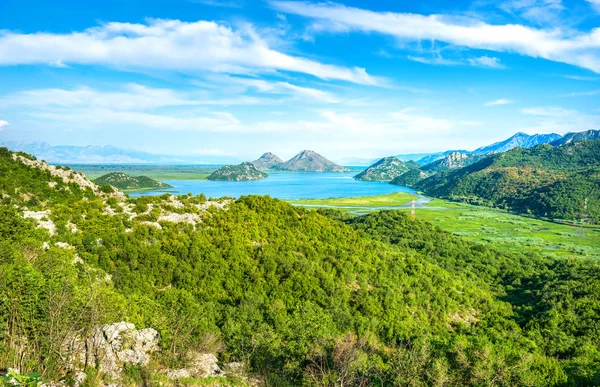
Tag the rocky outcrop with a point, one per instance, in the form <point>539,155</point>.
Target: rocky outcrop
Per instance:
<point>199,365</point>
<point>68,176</point>
<point>110,347</point>
<point>267,161</point>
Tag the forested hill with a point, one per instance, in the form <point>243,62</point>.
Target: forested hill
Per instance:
<point>559,182</point>
<point>298,297</point>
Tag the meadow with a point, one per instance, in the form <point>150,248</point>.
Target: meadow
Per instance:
<point>485,225</point>
<point>156,172</point>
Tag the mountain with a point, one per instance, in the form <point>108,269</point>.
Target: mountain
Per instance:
<point>309,161</point>
<point>520,139</point>
<point>577,136</point>
<point>409,178</point>
<point>558,182</point>
<point>451,161</point>
<point>242,172</point>
<point>123,181</point>
<point>267,161</point>
<point>385,169</point>
<point>67,154</point>
<point>430,158</point>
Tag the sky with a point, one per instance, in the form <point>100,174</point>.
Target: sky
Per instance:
<point>347,79</point>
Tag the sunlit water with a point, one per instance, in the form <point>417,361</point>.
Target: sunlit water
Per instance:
<point>283,185</point>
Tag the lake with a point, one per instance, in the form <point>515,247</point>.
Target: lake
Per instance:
<point>283,185</point>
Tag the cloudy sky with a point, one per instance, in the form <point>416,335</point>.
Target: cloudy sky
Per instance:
<point>358,78</point>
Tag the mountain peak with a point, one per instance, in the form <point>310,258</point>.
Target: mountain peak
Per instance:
<point>310,161</point>
<point>267,161</point>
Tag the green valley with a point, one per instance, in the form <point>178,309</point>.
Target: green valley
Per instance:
<point>193,289</point>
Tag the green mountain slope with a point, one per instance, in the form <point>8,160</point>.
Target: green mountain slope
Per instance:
<point>123,181</point>
<point>243,172</point>
<point>385,169</point>
<point>559,182</point>
<point>302,298</point>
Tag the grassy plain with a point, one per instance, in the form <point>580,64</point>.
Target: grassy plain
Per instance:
<point>359,203</point>
<point>485,225</point>
<point>156,172</point>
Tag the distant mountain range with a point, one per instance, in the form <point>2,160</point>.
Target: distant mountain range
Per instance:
<point>521,140</point>
<point>305,161</point>
<point>577,136</point>
<point>70,154</point>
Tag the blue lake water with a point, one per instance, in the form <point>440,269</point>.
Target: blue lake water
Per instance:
<point>283,185</point>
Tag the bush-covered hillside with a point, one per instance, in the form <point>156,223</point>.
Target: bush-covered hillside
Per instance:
<point>560,182</point>
<point>123,181</point>
<point>299,297</point>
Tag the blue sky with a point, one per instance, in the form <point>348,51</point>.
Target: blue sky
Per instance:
<point>347,79</point>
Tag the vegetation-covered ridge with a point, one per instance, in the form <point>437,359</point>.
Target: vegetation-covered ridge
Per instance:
<point>243,172</point>
<point>123,181</point>
<point>386,169</point>
<point>296,296</point>
<point>558,182</point>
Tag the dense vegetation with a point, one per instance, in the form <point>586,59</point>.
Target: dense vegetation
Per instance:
<point>123,181</point>
<point>303,297</point>
<point>559,182</point>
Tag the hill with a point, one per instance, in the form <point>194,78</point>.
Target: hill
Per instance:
<point>309,161</point>
<point>451,161</point>
<point>409,178</point>
<point>123,181</point>
<point>559,182</point>
<point>242,172</point>
<point>577,136</point>
<point>267,161</point>
<point>385,169</point>
<point>300,297</point>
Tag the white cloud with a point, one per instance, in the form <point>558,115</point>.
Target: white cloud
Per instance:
<point>498,102</point>
<point>539,11</point>
<point>486,61</point>
<point>167,45</point>
<point>437,60</point>
<point>138,97</point>
<point>3,124</point>
<point>559,45</point>
<point>277,87</point>
<point>595,4</point>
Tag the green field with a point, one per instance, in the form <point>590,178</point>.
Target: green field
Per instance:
<point>359,203</point>
<point>484,225</point>
<point>156,172</point>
